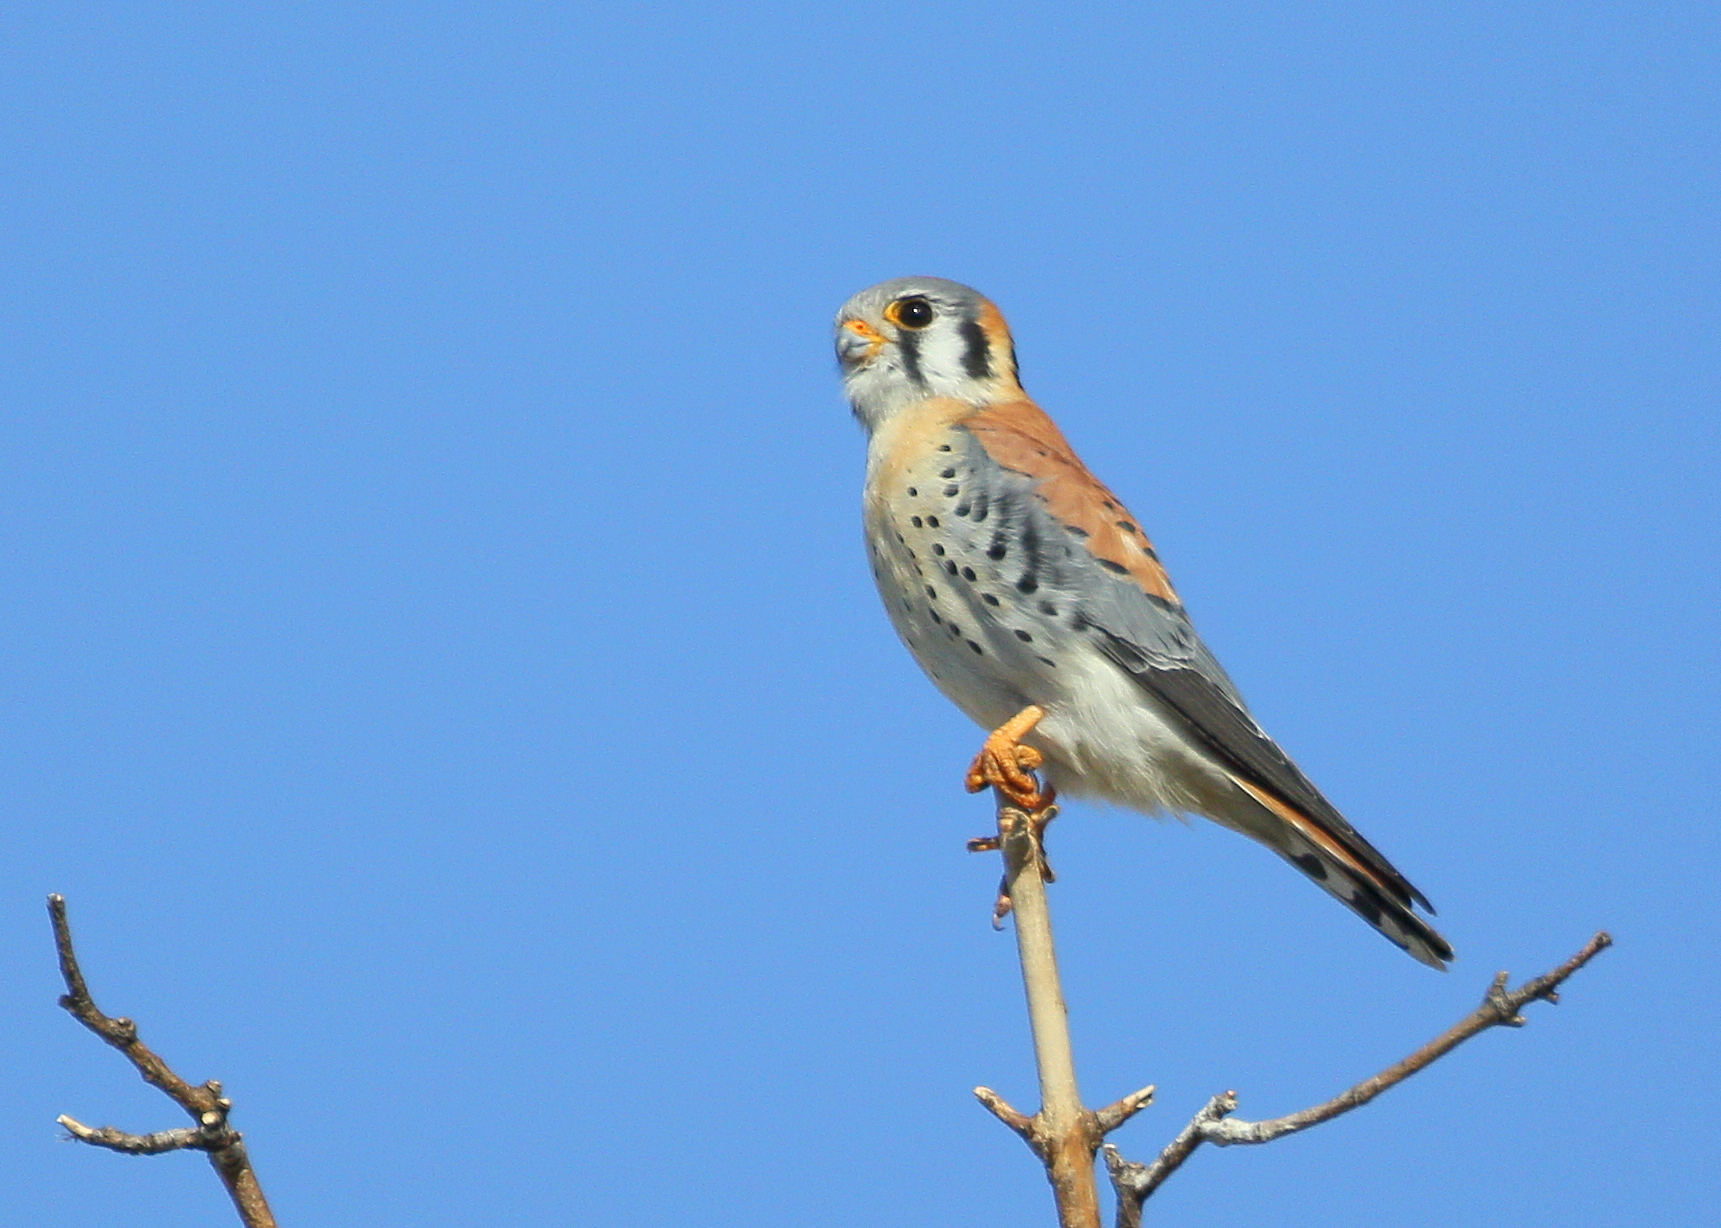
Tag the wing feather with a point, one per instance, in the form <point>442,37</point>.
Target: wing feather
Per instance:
<point>1137,619</point>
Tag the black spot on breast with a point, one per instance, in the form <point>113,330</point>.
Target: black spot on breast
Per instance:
<point>1047,661</point>
<point>1311,865</point>
<point>950,566</point>
<point>1077,530</point>
<point>1119,568</point>
<point>976,648</point>
<point>948,473</point>
<point>915,521</point>
<point>1079,622</point>
<point>1127,527</point>
<point>1024,637</point>
<point>951,491</point>
<point>962,509</point>
<point>912,492</point>
<point>997,549</point>
<point>932,522</point>
<point>944,447</point>
<point>955,630</point>
<point>981,504</point>
<point>934,614</point>
<point>932,592</point>
<point>968,574</point>
<point>937,549</point>
<point>988,598</point>
<point>1047,607</point>
<point>1030,580</point>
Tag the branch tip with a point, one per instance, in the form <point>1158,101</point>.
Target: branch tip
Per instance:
<point>205,1104</point>
<point>1001,1109</point>
<point>1213,1123</point>
<point>1121,1110</point>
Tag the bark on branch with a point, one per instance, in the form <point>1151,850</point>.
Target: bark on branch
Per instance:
<point>1134,1182</point>
<point>1063,1134</point>
<point>204,1102</point>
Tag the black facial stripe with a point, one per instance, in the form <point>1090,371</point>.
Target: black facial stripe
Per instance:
<point>909,344</point>
<point>977,350</point>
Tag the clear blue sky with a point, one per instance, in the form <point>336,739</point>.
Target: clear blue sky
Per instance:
<point>442,673</point>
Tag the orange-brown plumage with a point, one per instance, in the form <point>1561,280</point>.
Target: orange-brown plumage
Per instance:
<point>1021,437</point>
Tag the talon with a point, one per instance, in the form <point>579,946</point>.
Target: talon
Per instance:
<point>1006,765</point>
<point>1037,823</point>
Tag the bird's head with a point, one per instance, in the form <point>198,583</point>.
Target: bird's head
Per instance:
<point>903,341</point>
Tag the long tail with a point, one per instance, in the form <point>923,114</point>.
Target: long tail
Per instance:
<point>1352,872</point>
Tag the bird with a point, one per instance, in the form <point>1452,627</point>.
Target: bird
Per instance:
<point>1034,601</point>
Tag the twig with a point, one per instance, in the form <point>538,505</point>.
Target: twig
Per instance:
<point>133,1144</point>
<point>1213,1124</point>
<point>1063,1134</point>
<point>207,1106</point>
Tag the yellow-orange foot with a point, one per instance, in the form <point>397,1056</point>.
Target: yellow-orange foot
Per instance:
<point>1006,765</point>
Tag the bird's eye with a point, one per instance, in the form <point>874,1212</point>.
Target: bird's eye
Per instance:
<point>914,313</point>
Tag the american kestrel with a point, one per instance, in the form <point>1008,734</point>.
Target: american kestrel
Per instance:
<point>1031,596</point>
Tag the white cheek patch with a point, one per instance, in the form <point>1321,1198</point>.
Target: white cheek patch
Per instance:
<point>933,362</point>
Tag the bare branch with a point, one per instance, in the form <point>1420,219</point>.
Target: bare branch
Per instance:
<point>1001,1108</point>
<point>1127,1176</point>
<point>1213,1124</point>
<point>205,1103</point>
<point>1120,1111</point>
<point>1063,1134</point>
<point>133,1144</point>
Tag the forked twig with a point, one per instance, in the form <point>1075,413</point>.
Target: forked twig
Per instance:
<point>207,1106</point>
<point>1134,1182</point>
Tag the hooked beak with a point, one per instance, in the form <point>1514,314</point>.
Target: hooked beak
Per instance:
<point>858,343</point>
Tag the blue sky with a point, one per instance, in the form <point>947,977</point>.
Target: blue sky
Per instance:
<point>443,675</point>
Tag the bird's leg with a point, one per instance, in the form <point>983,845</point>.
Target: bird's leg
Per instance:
<point>1006,765</point>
